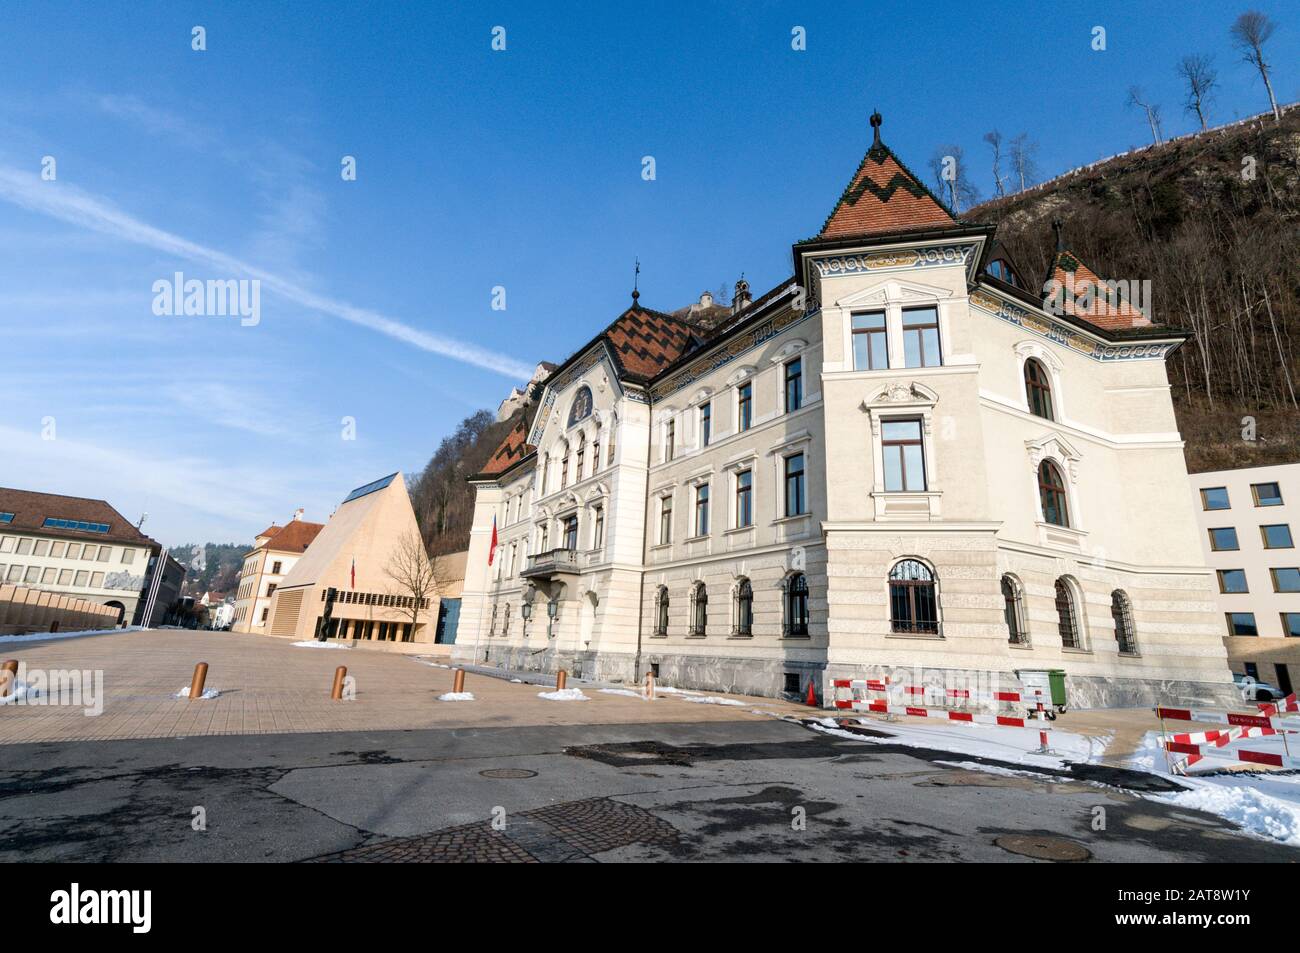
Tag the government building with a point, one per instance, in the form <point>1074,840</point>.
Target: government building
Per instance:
<point>903,459</point>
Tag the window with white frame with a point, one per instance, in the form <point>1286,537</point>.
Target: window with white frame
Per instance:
<point>870,342</point>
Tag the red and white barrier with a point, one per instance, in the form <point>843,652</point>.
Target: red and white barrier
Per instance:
<point>1286,705</point>
<point>1214,743</point>
<point>850,695</point>
<point>1236,719</point>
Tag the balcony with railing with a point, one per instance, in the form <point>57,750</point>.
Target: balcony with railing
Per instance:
<point>553,562</point>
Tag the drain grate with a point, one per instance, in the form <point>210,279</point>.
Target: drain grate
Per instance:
<point>1043,847</point>
<point>508,774</point>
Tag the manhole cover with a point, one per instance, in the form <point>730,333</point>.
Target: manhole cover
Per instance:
<point>508,774</point>
<point>1041,847</point>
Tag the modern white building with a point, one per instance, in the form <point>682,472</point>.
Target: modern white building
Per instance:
<point>902,457</point>
<point>1248,520</point>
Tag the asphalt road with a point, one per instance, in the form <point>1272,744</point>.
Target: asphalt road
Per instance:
<point>742,790</point>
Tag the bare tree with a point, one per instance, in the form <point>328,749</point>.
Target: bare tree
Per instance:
<point>1136,98</point>
<point>1249,33</point>
<point>994,139</point>
<point>414,576</point>
<point>1199,74</point>
<point>1023,151</point>
<point>949,167</point>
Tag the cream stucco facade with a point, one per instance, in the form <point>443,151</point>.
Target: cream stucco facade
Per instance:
<point>899,487</point>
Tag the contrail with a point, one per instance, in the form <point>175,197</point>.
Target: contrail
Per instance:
<point>73,205</point>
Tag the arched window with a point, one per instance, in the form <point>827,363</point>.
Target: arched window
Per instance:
<point>1067,615</point>
<point>581,408</point>
<point>699,609</point>
<point>998,268</point>
<point>1013,611</point>
<point>582,453</point>
<point>661,611</point>
<point>1121,610</point>
<point>564,467</point>
<point>613,435</point>
<point>1051,493</point>
<point>913,605</point>
<point>796,605</point>
<point>1038,389</point>
<point>744,608</point>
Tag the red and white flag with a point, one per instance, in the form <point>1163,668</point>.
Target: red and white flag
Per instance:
<point>492,548</point>
<point>354,572</point>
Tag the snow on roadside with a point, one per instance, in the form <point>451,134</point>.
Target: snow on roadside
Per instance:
<point>185,693</point>
<point>996,742</point>
<point>564,695</point>
<point>713,700</point>
<point>313,644</point>
<point>51,636</point>
<point>1243,804</point>
<point>456,697</point>
<point>625,692</point>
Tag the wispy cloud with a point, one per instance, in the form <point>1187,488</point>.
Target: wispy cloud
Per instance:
<point>77,207</point>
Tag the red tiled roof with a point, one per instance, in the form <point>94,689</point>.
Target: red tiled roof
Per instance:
<point>645,342</point>
<point>295,537</point>
<point>512,449</point>
<point>268,532</point>
<point>884,196</point>
<point>1075,290</point>
<point>30,511</point>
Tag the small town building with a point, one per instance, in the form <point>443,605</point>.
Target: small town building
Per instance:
<point>276,550</point>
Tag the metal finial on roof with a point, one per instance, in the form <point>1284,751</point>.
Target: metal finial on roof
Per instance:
<point>1059,229</point>
<point>636,280</point>
<point>876,120</point>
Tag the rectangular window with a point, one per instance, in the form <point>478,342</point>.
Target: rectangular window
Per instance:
<point>670,439</point>
<point>795,497</point>
<point>706,424</point>
<point>15,573</point>
<point>571,533</point>
<point>1277,536</point>
<point>24,547</point>
<point>6,544</point>
<point>904,461</point>
<point>275,567</point>
<point>42,547</point>
<point>270,589</point>
<point>96,580</point>
<point>666,519</point>
<point>1223,539</point>
<point>745,498</point>
<point>1285,580</point>
<point>793,385</point>
<point>266,611</point>
<point>83,577</point>
<point>33,574</point>
<point>702,510</point>
<point>744,406</point>
<point>921,337</point>
<point>1291,624</point>
<point>89,552</point>
<point>128,556</point>
<point>48,576</point>
<point>57,550</point>
<point>598,533</point>
<point>1215,498</point>
<point>1232,580</point>
<point>1266,494</point>
<point>65,577</point>
<point>1242,623</point>
<point>870,342</point>
<point>105,553</point>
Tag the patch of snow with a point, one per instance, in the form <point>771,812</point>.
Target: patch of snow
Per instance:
<point>516,681</point>
<point>714,700</point>
<point>1243,804</point>
<point>51,636</point>
<point>313,644</point>
<point>456,697</point>
<point>625,692</point>
<point>564,695</point>
<point>993,769</point>
<point>208,694</point>
<point>669,690</point>
<point>21,691</point>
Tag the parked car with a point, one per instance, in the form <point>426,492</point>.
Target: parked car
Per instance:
<point>1253,690</point>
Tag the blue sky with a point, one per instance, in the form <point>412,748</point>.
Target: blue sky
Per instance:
<point>475,169</point>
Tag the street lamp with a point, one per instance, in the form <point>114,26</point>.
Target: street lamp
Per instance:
<point>526,610</point>
<point>552,610</point>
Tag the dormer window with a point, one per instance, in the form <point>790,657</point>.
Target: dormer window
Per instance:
<point>581,408</point>
<point>999,269</point>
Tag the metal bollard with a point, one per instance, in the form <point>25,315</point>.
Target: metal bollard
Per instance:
<point>8,677</point>
<point>340,673</point>
<point>200,676</point>
<point>560,678</point>
<point>458,683</point>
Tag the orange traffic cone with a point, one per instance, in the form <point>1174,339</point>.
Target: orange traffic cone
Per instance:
<point>811,700</point>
